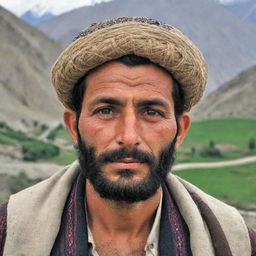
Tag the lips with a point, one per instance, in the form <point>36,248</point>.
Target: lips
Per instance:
<point>127,163</point>
<point>128,160</point>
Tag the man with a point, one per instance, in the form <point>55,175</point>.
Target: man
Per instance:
<point>127,85</point>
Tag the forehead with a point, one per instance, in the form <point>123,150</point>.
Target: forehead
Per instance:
<point>118,78</point>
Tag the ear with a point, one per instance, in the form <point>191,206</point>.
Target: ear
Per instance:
<point>69,117</point>
<point>184,121</point>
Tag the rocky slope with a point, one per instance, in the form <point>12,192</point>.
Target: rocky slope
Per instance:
<point>235,98</point>
<point>227,43</point>
<point>245,10</point>
<point>25,88</point>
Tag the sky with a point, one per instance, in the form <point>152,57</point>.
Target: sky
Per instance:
<point>57,7</point>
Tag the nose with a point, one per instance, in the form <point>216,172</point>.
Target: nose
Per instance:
<point>127,131</point>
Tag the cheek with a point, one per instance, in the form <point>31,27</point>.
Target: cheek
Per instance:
<point>94,132</point>
<point>161,134</point>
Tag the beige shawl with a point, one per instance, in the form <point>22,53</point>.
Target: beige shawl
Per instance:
<point>34,216</point>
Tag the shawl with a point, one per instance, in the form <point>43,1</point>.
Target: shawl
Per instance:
<point>72,237</point>
<point>35,218</point>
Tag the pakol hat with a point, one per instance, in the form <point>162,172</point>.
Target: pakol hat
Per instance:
<point>111,39</point>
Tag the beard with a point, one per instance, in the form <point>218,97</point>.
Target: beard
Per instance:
<point>124,189</point>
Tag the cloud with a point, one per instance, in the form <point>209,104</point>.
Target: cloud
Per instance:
<point>39,7</point>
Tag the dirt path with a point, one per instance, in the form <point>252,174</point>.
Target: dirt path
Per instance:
<point>32,170</point>
<point>44,170</point>
<point>240,161</point>
<point>250,218</point>
<point>48,131</point>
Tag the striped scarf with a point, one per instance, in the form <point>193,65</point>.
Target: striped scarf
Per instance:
<point>72,236</point>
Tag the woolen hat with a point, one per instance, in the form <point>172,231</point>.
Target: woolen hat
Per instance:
<point>108,40</point>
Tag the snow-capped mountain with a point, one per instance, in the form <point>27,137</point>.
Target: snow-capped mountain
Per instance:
<point>40,8</point>
<point>244,10</point>
<point>228,2</point>
<point>37,11</point>
<point>33,18</point>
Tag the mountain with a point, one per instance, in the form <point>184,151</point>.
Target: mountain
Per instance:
<point>235,98</point>
<point>27,96</point>
<point>227,43</point>
<point>245,10</point>
<point>227,2</point>
<point>39,11</point>
<point>34,19</point>
<point>36,11</point>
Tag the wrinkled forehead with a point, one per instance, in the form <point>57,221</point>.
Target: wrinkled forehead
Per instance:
<point>119,80</point>
<point>110,70</point>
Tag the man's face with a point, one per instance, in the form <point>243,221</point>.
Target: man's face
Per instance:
<point>127,123</point>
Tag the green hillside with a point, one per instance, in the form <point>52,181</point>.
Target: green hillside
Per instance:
<point>222,131</point>
<point>33,149</point>
<point>206,141</point>
<point>227,138</point>
<point>234,184</point>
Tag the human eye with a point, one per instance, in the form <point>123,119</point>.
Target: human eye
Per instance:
<point>104,112</point>
<point>151,114</point>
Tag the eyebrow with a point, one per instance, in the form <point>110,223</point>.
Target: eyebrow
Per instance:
<point>106,100</point>
<point>153,102</point>
<point>142,103</point>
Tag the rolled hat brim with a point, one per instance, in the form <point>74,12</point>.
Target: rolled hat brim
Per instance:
<point>105,41</point>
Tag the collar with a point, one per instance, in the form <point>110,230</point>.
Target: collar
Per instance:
<point>151,247</point>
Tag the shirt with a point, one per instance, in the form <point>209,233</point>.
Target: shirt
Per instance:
<point>151,247</point>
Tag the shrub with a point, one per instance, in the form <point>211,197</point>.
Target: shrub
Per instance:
<point>21,181</point>
<point>53,134</point>
<point>193,151</point>
<point>17,135</point>
<point>210,151</point>
<point>44,127</point>
<point>2,125</point>
<point>252,144</point>
<point>37,150</point>
<point>211,144</point>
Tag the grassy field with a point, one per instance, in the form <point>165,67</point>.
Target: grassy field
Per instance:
<point>222,131</point>
<point>236,184</point>
<point>32,149</point>
<point>60,132</point>
<point>230,136</point>
<point>65,157</point>
<point>206,141</point>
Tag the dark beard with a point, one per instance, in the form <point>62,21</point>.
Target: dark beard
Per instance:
<point>122,190</point>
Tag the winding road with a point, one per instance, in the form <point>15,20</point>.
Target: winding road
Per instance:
<point>240,161</point>
<point>43,170</point>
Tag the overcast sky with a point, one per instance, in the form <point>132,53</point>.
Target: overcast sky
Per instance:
<point>55,6</point>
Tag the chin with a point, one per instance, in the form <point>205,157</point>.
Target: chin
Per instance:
<point>127,187</point>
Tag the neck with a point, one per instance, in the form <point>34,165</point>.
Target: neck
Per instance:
<point>115,218</point>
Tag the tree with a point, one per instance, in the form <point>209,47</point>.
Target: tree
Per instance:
<point>210,151</point>
<point>252,144</point>
<point>193,151</point>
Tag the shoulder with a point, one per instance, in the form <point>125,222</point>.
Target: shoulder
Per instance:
<point>253,241</point>
<point>219,217</point>
<point>3,221</point>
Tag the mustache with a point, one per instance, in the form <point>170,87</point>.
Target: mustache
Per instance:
<point>118,154</point>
